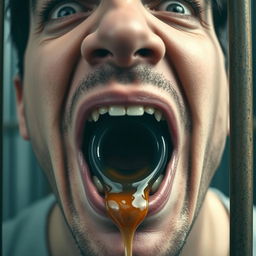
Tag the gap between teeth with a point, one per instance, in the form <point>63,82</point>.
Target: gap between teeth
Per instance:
<point>153,189</point>
<point>129,111</point>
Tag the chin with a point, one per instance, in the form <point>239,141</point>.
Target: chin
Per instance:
<point>144,243</point>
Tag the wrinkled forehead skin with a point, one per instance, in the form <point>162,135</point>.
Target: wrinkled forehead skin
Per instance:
<point>73,66</point>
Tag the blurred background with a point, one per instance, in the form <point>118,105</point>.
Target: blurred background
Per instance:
<point>23,181</point>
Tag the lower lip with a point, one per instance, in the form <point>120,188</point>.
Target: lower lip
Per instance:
<point>156,201</point>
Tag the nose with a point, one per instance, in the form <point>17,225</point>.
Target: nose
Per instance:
<point>123,38</point>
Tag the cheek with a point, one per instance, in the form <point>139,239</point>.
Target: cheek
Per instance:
<point>203,80</point>
<point>46,82</point>
<point>49,71</point>
<point>200,68</point>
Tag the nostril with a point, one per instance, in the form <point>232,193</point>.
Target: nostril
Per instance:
<point>101,53</point>
<point>144,52</point>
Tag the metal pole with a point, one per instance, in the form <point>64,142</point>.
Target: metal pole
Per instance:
<point>1,97</point>
<point>241,124</point>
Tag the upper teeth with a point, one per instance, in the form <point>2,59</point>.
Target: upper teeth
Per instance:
<point>137,110</point>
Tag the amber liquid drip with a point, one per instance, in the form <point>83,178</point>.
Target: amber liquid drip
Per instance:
<point>127,210</point>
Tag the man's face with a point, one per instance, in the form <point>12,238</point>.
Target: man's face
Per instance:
<point>87,55</point>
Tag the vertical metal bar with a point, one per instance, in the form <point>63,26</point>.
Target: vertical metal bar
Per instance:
<point>1,98</point>
<point>241,122</point>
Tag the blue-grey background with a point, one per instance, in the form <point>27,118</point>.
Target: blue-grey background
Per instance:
<point>23,181</point>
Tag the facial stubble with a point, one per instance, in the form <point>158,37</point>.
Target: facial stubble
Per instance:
<point>143,74</point>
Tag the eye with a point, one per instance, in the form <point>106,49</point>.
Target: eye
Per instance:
<point>66,10</point>
<point>175,6</point>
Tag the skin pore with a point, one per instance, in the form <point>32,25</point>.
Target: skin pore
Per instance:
<point>149,40</point>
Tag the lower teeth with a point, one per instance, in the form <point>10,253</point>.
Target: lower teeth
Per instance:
<point>98,184</point>
<point>156,184</point>
<point>153,189</point>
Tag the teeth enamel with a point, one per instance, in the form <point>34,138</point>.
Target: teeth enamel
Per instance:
<point>158,115</point>
<point>103,110</point>
<point>149,110</point>
<point>95,115</point>
<point>157,183</point>
<point>98,184</point>
<point>135,111</point>
<point>117,111</point>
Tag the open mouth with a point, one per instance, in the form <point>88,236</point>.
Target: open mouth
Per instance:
<point>123,145</point>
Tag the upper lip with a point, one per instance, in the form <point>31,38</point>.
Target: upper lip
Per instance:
<point>132,96</point>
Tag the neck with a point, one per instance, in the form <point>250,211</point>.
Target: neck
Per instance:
<point>210,233</point>
<point>60,240</point>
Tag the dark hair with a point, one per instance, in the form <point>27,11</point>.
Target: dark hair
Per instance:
<point>20,24</point>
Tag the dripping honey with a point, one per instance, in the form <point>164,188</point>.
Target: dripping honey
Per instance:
<point>127,209</point>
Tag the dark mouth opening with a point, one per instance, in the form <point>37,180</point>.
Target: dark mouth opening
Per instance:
<point>127,149</point>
